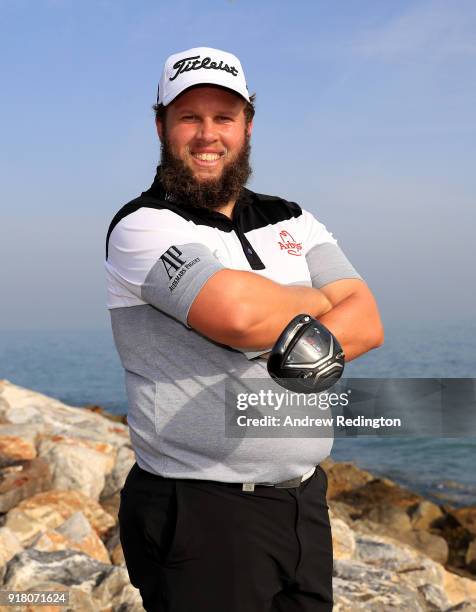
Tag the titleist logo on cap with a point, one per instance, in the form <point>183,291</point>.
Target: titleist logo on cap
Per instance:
<point>193,63</point>
<point>201,66</point>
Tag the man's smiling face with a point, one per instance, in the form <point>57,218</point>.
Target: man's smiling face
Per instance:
<point>205,146</point>
<point>205,127</point>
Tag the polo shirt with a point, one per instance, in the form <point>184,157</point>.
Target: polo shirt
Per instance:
<point>159,255</point>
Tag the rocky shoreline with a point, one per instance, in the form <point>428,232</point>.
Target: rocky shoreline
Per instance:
<point>61,471</point>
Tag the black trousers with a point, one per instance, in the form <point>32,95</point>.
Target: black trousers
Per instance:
<point>198,546</point>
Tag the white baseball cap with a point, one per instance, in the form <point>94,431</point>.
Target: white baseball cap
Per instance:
<point>197,66</point>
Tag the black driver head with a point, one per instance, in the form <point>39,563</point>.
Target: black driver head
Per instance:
<point>307,357</point>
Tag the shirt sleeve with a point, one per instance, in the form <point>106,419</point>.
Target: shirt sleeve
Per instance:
<point>325,259</point>
<point>155,258</point>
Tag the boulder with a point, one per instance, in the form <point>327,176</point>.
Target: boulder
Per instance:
<point>386,553</point>
<point>465,606</point>
<point>23,480</point>
<point>77,600</point>
<point>434,546</point>
<point>93,586</point>
<point>343,540</point>
<point>343,477</point>
<point>412,567</point>
<point>114,547</point>
<point>10,545</point>
<point>74,534</point>
<point>117,418</point>
<point>434,597</point>
<point>393,517</point>
<point>362,588</point>
<point>71,568</point>
<point>424,514</point>
<point>16,448</point>
<point>111,504</point>
<point>115,479</point>
<point>378,492</point>
<point>458,588</point>
<point>471,556</point>
<point>50,509</point>
<point>22,406</point>
<point>117,555</point>
<point>78,463</point>
<point>466,517</point>
<point>116,589</point>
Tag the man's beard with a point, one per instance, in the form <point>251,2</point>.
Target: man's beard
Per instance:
<point>180,183</point>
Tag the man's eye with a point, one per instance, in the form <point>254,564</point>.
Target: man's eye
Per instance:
<point>224,118</point>
<point>188,117</point>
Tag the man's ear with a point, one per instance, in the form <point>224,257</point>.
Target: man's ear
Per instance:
<point>249,128</point>
<point>160,129</point>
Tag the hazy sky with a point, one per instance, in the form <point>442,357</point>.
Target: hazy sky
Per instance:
<point>365,116</point>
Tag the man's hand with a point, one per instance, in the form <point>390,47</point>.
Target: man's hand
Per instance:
<point>354,318</point>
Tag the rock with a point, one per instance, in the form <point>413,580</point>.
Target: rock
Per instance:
<point>458,588</point>
<point>342,511</point>
<point>117,555</point>
<point>424,514</point>
<point>343,540</point>
<point>116,588</point>
<point>343,477</point>
<point>10,545</point>
<point>78,601</point>
<point>114,547</point>
<point>115,479</point>
<point>394,518</point>
<point>78,463</point>
<point>74,534</point>
<point>465,606</point>
<point>102,587</point>
<point>381,551</point>
<point>471,556</point>
<point>434,597</point>
<point>378,492</point>
<point>360,588</point>
<point>67,567</point>
<point>466,517</point>
<point>117,418</point>
<point>14,447</point>
<point>432,545</point>
<point>47,415</point>
<point>457,537</point>
<point>111,504</point>
<point>23,480</point>
<point>48,510</point>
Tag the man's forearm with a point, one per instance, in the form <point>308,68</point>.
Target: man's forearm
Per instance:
<point>267,317</point>
<point>248,311</point>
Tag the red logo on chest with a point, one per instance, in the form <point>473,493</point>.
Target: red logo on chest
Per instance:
<point>287,243</point>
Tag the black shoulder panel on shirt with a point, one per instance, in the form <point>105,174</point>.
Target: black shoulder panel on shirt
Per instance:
<point>128,209</point>
<point>265,210</point>
<point>252,211</point>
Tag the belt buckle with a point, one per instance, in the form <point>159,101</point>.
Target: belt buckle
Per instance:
<point>289,484</point>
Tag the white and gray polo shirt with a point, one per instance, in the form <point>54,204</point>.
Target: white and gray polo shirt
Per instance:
<point>159,254</point>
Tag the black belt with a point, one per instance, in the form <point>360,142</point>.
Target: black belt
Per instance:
<point>292,483</point>
<point>285,484</point>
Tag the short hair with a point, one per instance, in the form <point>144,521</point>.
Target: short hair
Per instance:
<point>249,110</point>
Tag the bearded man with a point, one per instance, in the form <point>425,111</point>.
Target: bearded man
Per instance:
<point>203,276</point>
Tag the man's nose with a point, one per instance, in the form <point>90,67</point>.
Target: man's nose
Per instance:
<point>207,130</point>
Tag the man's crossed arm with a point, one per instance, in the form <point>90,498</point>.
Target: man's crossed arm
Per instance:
<point>246,310</point>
